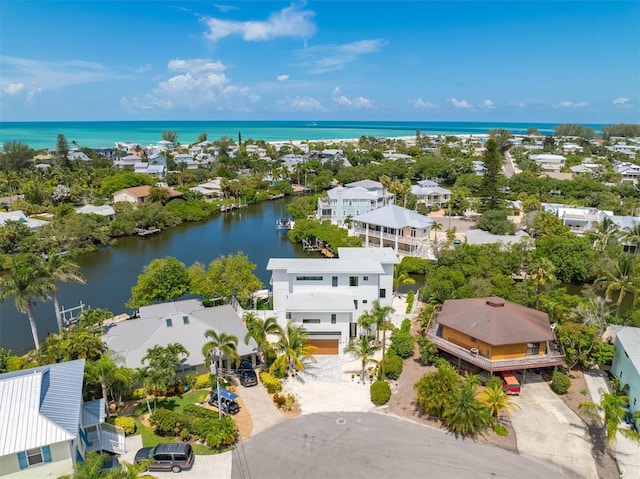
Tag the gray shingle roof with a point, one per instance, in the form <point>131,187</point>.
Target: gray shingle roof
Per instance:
<point>510,323</point>
<point>40,406</point>
<point>132,338</point>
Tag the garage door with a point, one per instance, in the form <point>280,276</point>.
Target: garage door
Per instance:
<point>325,346</point>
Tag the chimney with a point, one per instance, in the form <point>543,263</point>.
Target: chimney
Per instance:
<point>495,302</point>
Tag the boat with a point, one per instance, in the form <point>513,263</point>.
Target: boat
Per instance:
<point>284,224</point>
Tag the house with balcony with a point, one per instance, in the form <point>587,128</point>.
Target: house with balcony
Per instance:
<point>580,220</point>
<point>548,161</point>
<point>139,195</point>
<point>327,296</point>
<point>431,194</point>
<point>346,202</point>
<point>629,172</point>
<point>494,335</point>
<point>626,364</point>
<point>46,427</point>
<point>405,231</point>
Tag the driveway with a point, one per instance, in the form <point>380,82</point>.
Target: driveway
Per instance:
<point>372,445</point>
<point>547,429</point>
<point>259,404</point>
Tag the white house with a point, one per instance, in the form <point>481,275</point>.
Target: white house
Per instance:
<point>580,220</point>
<point>351,200</point>
<point>630,172</point>
<point>548,161</point>
<point>20,217</point>
<point>103,210</point>
<point>46,427</point>
<point>328,296</point>
<point>404,230</point>
<point>430,193</point>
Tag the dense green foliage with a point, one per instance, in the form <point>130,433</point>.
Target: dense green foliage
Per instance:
<point>380,392</point>
<point>271,383</point>
<point>496,222</point>
<point>332,235</point>
<point>393,366</point>
<point>490,187</point>
<point>560,382</point>
<point>402,341</point>
<point>161,280</point>
<point>625,130</point>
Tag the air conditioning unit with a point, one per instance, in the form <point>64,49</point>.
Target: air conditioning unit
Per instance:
<point>474,351</point>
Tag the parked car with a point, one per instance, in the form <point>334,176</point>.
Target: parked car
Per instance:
<point>169,456</point>
<point>246,374</point>
<point>510,383</point>
<point>457,242</point>
<point>227,406</point>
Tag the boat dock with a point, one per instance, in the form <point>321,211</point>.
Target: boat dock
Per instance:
<point>318,245</point>
<point>230,207</point>
<point>146,231</point>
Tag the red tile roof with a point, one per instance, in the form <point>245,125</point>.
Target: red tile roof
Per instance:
<point>496,321</point>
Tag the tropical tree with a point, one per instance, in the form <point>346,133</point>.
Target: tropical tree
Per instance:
<point>221,345</point>
<point>435,228</point>
<point>611,410</point>
<point>401,277</point>
<point>61,267</point>
<point>292,348</point>
<point>92,467</point>
<point>161,280</point>
<point>363,349</point>
<point>366,322</point>
<point>464,415</point>
<point>381,315</point>
<point>26,282</point>
<point>102,370</point>
<point>490,192</point>
<point>631,235</point>
<point>605,230</point>
<point>540,273</point>
<point>496,399</point>
<point>593,313</point>
<point>259,330</point>
<point>623,275</point>
<point>160,374</point>
<point>434,389</point>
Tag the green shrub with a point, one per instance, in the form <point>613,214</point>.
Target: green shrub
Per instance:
<point>164,421</point>
<point>204,381</point>
<point>271,383</point>
<point>493,382</point>
<point>411,296</point>
<point>560,382</point>
<point>223,433</point>
<point>402,343</point>
<point>380,392</point>
<point>185,435</point>
<point>194,410</point>
<point>279,399</point>
<point>126,423</point>
<point>392,366</point>
<point>428,350</point>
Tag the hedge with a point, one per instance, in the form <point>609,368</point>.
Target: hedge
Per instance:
<point>126,423</point>
<point>393,366</point>
<point>380,392</point>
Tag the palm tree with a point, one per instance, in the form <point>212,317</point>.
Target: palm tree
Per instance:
<point>622,275</point>
<point>27,282</point>
<point>366,321</point>
<point>434,389</point>
<point>612,407</point>
<point>380,315</point>
<point>435,227</point>
<point>465,415</point>
<point>292,348</point>
<point>61,267</point>
<point>363,349</point>
<point>632,236</point>
<point>541,272</point>
<point>594,313</point>
<point>496,400</point>
<point>260,330</point>
<point>221,344</point>
<point>102,369</point>
<point>401,278</point>
<point>605,230</point>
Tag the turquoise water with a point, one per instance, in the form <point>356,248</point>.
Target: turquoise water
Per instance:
<point>101,134</point>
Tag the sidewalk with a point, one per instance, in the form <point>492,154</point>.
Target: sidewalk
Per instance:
<point>627,452</point>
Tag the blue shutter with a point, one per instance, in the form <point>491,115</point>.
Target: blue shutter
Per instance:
<point>46,453</point>
<point>83,436</point>
<point>22,460</point>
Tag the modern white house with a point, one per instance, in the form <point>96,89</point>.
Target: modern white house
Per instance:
<point>352,199</point>
<point>431,194</point>
<point>580,220</point>
<point>183,322</point>
<point>630,172</point>
<point>626,364</point>
<point>405,231</point>
<point>328,296</point>
<point>45,426</point>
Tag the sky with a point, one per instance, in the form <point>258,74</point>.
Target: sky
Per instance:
<point>510,61</point>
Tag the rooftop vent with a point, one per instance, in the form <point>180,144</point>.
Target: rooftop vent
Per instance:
<point>495,303</point>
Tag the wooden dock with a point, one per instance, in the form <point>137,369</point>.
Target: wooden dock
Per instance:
<point>318,245</point>
<point>232,206</point>
<point>146,231</point>
<point>275,197</point>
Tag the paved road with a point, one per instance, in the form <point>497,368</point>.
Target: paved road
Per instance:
<point>372,445</point>
<point>510,168</point>
<point>547,429</point>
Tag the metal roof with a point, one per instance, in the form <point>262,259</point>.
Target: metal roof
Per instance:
<point>93,412</point>
<point>629,338</point>
<point>394,216</point>
<point>40,406</point>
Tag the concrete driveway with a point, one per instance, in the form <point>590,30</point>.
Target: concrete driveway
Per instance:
<point>372,445</point>
<point>263,412</point>
<point>547,429</point>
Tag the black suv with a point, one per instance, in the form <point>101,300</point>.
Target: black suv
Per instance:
<point>246,374</point>
<point>169,456</point>
<point>226,405</point>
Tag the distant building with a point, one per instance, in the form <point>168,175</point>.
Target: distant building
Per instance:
<point>431,194</point>
<point>352,199</point>
<point>549,162</point>
<point>140,194</point>
<point>478,237</point>
<point>103,210</point>
<point>20,217</point>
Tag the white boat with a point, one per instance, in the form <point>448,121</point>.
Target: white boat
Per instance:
<point>284,224</point>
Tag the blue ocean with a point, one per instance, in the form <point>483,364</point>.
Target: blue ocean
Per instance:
<point>101,134</point>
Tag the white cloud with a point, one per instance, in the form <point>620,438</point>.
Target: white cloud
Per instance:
<point>13,88</point>
<point>420,104</point>
<point>304,103</point>
<point>288,22</point>
<point>570,104</point>
<point>225,8</point>
<point>357,102</point>
<point>620,101</point>
<point>362,102</point>
<point>517,104</point>
<point>459,103</point>
<point>326,58</point>
<point>282,77</point>
<point>488,104</point>
<point>196,65</point>
<point>200,84</point>
<point>31,96</point>
<point>143,68</point>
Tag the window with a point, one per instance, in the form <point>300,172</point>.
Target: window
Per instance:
<point>365,278</point>
<point>308,278</point>
<point>383,293</point>
<point>365,301</point>
<point>333,318</point>
<point>169,322</point>
<point>355,304</point>
<point>288,315</point>
<point>185,319</point>
<point>334,281</point>
<point>311,321</point>
<point>353,330</point>
<point>34,457</point>
<point>353,281</point>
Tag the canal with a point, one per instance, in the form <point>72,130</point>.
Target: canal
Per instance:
<point>112,271</point>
